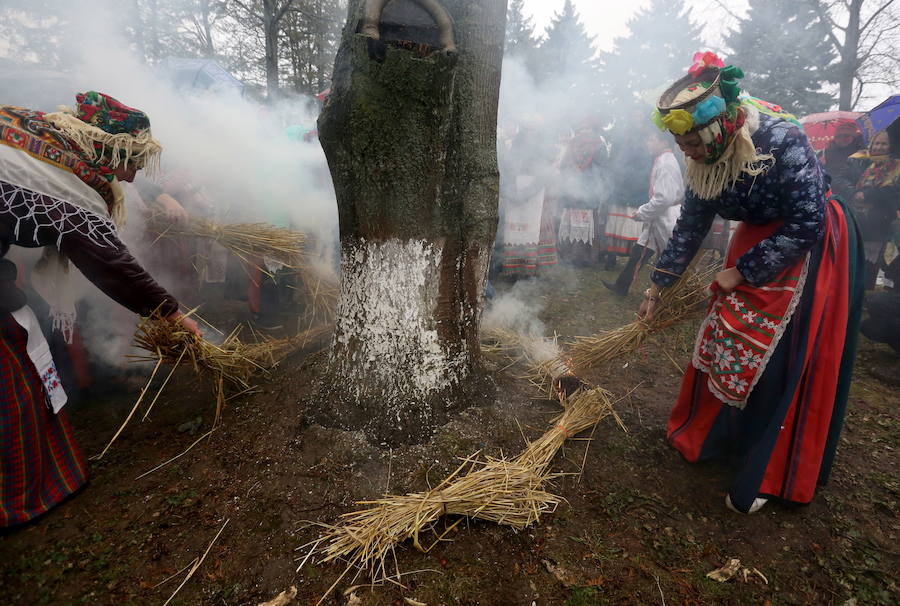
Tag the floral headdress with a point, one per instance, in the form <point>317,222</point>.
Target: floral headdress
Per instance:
<point>707,101</point>
<point>709,90</point>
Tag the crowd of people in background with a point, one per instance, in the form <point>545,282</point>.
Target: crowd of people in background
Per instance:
<point>596,194</point>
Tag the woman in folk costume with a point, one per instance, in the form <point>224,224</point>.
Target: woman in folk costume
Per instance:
<point>657,215</point>
<point>59,188</point>
<point>771,371</point>
<point>877,201</point>
<point>529,241</point>
<point>581,193</point>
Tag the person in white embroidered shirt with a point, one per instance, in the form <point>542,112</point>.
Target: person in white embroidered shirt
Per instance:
<point>658,214</point>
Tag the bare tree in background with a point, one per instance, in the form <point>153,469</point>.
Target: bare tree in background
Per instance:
<point>410,137</point>
<point>201,19</point>
<point>269,16</point>
<point>311,32</point>
<point>866,35</point>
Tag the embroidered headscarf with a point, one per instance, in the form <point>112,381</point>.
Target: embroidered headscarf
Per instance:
<point>708,101</point>
<point>109,132</point>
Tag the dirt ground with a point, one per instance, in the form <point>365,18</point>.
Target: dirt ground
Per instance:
<point>640,525</point>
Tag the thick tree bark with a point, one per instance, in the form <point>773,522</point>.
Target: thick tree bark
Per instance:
<point>410,138</point>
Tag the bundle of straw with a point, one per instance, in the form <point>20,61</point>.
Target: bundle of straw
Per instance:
<point>270,353</point>
<point>677,303</point>
<point>251,242</point>
<point>322,292</point>
<point>170,343</point>
<point>508,492</point>
<point>230,365</point>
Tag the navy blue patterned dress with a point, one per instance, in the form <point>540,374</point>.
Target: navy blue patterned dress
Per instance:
<point>793,191</point>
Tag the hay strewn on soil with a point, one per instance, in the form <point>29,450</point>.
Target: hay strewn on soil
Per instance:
<point>509,492</point>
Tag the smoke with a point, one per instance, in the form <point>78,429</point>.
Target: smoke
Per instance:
<point>232,148</point>
<point>517,311</point>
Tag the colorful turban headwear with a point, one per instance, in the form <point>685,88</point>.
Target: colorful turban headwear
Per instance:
<point>708,101</point>
<point>108,132</point>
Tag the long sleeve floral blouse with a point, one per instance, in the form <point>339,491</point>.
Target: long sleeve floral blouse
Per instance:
<point>792,191</point>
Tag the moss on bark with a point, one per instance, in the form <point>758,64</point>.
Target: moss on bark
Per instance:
<point>411,146</point>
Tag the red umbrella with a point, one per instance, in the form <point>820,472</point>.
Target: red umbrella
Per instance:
<point>820,128</point>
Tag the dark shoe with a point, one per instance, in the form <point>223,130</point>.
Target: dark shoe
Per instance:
<point>267,322</point>
<point>610,263</point>
<point>615,289</point>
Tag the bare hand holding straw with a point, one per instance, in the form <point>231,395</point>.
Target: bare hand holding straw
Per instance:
<point>648,305</point>
<point>187,322</point>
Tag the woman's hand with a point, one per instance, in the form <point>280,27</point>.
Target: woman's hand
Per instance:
<point>172,209</point>
<point>188,323</point>
<point>729,279</point>
<point>648,305</point>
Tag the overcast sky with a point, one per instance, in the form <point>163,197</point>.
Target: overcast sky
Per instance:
<point>607,19</point>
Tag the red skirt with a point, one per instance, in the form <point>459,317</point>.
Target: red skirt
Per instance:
<point>40,464</point>
<point>782,442</point>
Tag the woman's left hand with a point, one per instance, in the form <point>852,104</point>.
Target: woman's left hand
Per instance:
<point>729,279</point>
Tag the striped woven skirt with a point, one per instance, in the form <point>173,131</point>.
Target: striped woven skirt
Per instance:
<point>782,440</point>
<point>622,232</point>
<point>40,464</point>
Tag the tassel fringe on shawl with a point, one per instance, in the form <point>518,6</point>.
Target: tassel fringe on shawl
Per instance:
<point>141,150</point>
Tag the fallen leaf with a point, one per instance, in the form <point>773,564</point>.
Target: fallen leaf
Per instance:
<point>354,600</point>
<point>562,575</point>
<point>732,569</point>
<point>726,572</point>
<point>283,598</point>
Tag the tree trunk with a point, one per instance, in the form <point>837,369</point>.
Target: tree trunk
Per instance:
<point>208,44</point>
<point>849,62</point>
<point>410,139</point>
<point>270,31</point>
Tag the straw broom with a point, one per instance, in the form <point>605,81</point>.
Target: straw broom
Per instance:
<point>677,303</point>
<point>230,366</point>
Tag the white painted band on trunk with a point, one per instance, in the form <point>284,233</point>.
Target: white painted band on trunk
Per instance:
<point>386,341</point>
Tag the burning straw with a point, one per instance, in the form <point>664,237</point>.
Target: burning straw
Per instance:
<point>250,242</point>
<point>508,492</point>
<point>677,303</point>
<point>259,244</point>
